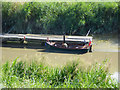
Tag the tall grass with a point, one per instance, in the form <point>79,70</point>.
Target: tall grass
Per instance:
<point>37,75</point>
<point>74,18</point>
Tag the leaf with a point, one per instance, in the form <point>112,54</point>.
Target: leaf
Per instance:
<point>14,62</point>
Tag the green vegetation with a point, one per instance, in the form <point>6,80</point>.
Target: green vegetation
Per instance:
<point>73,18</point>
<point>37,75</point>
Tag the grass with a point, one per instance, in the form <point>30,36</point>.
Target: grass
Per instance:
<point>72,18</point>
<point>37,75</point>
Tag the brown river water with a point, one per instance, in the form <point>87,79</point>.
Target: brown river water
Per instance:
<point>102,50</point>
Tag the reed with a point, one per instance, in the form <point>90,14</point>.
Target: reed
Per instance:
<point>72,18</point>
<point>37,75</point>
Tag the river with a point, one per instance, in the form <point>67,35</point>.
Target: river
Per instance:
<point>102,50</point>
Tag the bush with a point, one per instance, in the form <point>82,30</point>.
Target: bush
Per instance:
<point>37,75</point>
<point>73,18</point>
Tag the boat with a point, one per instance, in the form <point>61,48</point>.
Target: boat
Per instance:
<point>83,46</point>
<point>69,46</point>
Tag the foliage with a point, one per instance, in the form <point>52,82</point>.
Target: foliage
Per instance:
<point>73,18</point>
<point>37,75</point>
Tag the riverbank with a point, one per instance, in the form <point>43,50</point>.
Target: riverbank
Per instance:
<point>72,18</point>
<point>20,74</point>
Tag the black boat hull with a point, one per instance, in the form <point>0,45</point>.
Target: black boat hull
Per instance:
<point>64,49</point>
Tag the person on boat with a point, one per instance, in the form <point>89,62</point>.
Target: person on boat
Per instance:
<point>65,45</point>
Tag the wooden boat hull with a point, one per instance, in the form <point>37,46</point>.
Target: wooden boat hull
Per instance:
<point>65,49</point>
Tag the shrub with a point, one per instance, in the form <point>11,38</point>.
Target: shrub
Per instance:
<point>37,75</point>
<point>73,18</point>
